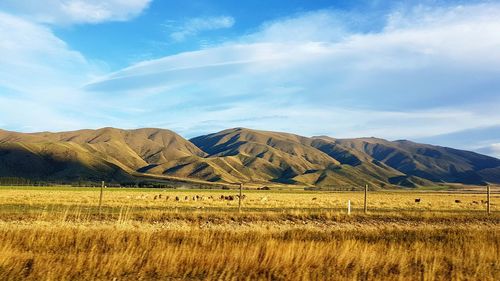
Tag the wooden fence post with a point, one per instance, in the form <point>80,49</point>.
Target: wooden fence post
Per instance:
<point>366,202</point>
<point>100,197</point>
<point>239,198</point>
<point>488,198</point>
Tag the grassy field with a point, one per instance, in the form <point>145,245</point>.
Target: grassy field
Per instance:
<point>58,234</point>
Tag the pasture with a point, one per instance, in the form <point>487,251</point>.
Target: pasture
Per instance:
<point>58,233</point>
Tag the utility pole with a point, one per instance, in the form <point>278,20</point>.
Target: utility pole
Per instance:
<point>366,201</point>
<point>100,197</point>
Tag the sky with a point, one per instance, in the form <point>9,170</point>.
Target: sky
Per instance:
<point>427,71</point>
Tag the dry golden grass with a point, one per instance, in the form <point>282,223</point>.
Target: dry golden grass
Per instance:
<point>65,251</point>
<point>256,200</point>
<point>58,235</point>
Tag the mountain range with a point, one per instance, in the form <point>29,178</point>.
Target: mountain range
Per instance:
<point>237,155</point>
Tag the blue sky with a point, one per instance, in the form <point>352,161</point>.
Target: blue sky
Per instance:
<point>421,70</point>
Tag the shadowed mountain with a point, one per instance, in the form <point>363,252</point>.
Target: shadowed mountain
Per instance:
<point>434,163</point>
<point>133,148</point>
<point>238,155</point>
<point>297,159</point>
<point>127,150</point>
<point>326,161</point>
<point>56,161</point>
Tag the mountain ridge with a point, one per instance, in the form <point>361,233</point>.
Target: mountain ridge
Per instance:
<point>239,155</point>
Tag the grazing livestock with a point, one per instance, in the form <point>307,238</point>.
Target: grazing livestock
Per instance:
<point>417,200</point>
<point>223,197</point>
<point>457,201</point>
<point>186,198</point>
<point>315,198</point>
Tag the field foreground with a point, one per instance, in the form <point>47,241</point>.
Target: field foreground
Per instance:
<point>61,239</point>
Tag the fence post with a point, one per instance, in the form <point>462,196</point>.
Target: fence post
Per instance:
<point>348,207</point>
<point>100,196</point>
<point>488,198</point>
<point>239,198</point>
<point>366,202</point>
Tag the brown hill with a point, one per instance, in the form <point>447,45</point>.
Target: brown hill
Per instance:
<point>130,151</point>
<point>434,163</point>
<point>299,160</point>
<point>56,161</point>
<point>238,155</point>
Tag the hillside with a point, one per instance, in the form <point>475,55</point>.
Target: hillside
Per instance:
<point>129,151</point>
<point>430,162</point>
<point>238,155</point>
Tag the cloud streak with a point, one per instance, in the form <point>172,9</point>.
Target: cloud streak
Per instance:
<point>492,149</point>
<point>423,60</point>
<point>41,79</point>
<point>426,72</point>
<point>194,26</point>
<point>65,12</point>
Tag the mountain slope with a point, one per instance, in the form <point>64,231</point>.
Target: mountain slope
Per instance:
<point>134,148</point>
<point>238,155</point>
<point>334,162</point>
<point>430,162</point>
<point>296,159</point>
<point>128,151</point>
<point>56,161</point>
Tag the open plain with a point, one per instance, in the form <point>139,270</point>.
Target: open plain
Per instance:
<point>170,234</point>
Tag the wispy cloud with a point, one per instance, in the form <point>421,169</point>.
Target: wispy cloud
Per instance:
<point>194,26</point>
<point>424,72</point>
<point>492,149</point>
<point>413,78</point>
<point>32,51</point>
<point>40,79</point>
<point>481,138</point>
<point>316,26</point>
<point>76,11</point>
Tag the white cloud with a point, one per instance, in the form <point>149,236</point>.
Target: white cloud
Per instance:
<point>76,11</point>
<point>32,52</point>
<point>40,79</point>
<point>414,78</point>
<point>428,72</point>
<point>496,149</point>
<point>492,149</point>
<point>194,26</point>
<point>318,26</point>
